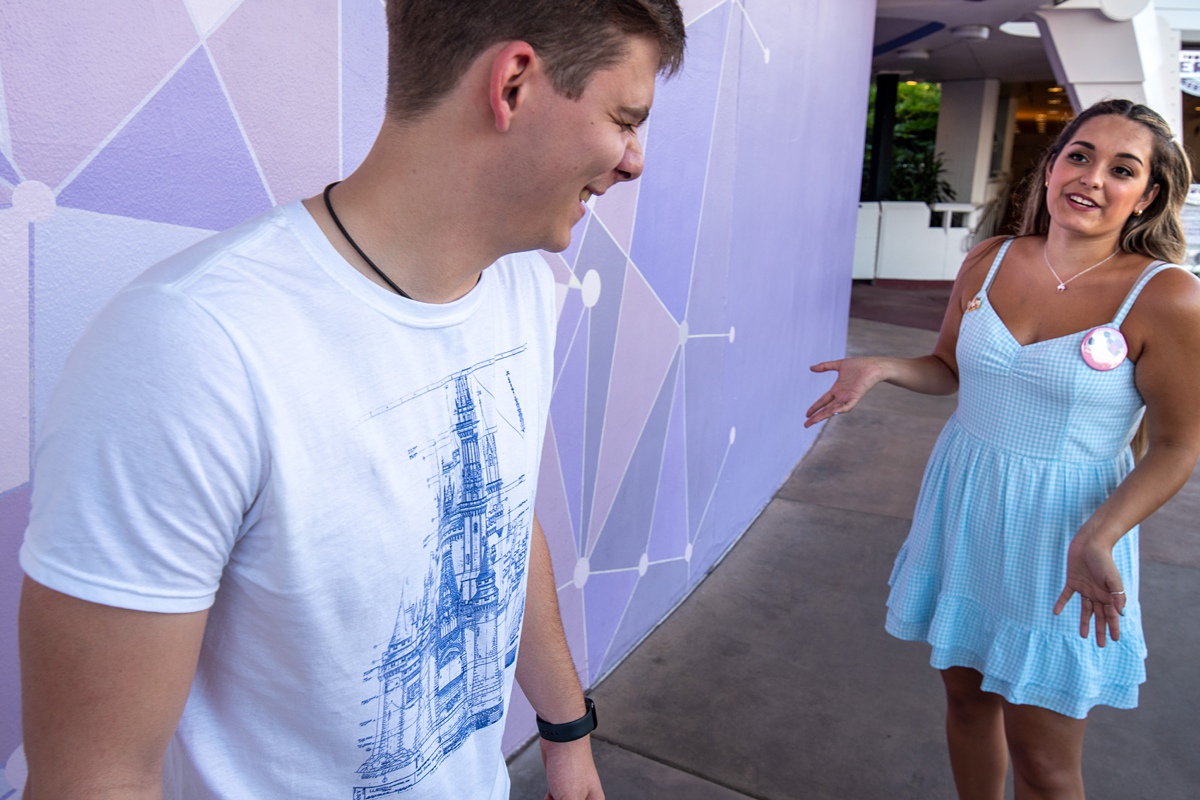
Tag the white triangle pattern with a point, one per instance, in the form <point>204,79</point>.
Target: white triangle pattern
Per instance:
<point>209,14</point>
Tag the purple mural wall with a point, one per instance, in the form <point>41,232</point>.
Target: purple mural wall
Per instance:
<point>690,301</point>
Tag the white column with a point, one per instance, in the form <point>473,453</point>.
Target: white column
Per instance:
<point>1102,49</point>
<point>1006,122</point>
<point>966,125</point>
<point>1182,15</point>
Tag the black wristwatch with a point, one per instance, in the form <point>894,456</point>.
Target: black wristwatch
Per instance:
<point>570,731</point>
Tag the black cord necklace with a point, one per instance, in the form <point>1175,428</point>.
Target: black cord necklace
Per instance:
<point>354,244</point>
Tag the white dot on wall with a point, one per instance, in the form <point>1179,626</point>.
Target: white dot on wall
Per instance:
<point>643,564</point>
<point>34,201</point>
<point>687,552</point>
<point>732,435</point>
<point>582,570</point>
<point>766,55</point>
<point>732,332</point>
<point>591,288</point>
<point>16,771</point>
<point>683,332</point>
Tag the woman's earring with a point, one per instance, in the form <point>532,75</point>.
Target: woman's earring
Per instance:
<point>1137,212</point>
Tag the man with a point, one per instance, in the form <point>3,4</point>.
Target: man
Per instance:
<point>282,524</point>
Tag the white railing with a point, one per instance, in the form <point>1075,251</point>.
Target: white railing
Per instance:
<point>912,240</point>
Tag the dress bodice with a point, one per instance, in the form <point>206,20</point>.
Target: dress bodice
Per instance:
<point>1042,400</point>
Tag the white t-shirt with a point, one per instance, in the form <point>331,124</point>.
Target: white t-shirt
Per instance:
<point>344,477</point>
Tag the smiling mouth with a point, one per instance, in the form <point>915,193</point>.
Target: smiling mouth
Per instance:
<point>1081,200</point>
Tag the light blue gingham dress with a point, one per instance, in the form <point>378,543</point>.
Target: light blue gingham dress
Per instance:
<point>1038,442</point>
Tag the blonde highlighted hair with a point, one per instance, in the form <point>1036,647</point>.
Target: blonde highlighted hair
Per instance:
<point>1158,231</point>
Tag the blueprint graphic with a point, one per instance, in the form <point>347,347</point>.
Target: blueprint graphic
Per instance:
<point>440,677</point>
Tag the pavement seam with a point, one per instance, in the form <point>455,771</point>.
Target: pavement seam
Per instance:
<point>681,768</point>
<point>838,508</point>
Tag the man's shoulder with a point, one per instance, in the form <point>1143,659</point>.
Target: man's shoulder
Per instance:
<point>528,284</point>
<point>202,294</point>
<point>263,238</point>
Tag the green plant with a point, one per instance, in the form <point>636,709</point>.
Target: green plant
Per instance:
<point>918,175</point>
<point>917,171</point>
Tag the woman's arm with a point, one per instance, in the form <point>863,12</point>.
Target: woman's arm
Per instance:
<point>936,373</point>
<point>856,376</point>
<point>1168,322</point>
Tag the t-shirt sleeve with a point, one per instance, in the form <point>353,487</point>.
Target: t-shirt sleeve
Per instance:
<point>149,459</point>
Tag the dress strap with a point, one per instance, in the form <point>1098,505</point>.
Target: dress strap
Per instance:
<point>1148,273</point>
<point>987,282</point>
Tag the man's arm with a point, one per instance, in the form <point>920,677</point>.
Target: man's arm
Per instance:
<point>547,676</point>
<point>102,690</point>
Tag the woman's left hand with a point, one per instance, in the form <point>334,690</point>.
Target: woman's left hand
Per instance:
<point>1092,573</point>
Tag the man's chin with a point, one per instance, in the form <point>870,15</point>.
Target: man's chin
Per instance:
<point>558,244</point>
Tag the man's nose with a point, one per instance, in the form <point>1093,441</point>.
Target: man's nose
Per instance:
<point>632,163</point>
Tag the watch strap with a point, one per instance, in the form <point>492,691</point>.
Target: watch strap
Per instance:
<point>570,731</point>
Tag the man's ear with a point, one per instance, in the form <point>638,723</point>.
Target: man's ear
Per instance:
<point>508,85</point>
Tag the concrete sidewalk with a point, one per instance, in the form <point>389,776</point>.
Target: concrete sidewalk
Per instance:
<point>775,679</point>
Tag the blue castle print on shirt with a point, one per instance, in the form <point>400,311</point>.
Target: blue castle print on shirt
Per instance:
<point>441,675</point>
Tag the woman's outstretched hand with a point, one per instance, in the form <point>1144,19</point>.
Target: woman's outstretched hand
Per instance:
<point>1092,573</point>
<point>855,378</point>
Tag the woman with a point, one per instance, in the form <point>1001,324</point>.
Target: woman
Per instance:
<point>1021,566</point>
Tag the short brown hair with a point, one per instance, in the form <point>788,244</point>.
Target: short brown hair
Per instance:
<point>1158,231</point>
<point>432,42</point>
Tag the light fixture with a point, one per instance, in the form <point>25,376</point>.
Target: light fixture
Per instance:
<point>971,31</point>
<point>911,83</point>
<point>1029,30</point>
<point>1055,89</point>
<point>913,55</point>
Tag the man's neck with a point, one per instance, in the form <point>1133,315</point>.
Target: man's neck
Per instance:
<point>414,212</point>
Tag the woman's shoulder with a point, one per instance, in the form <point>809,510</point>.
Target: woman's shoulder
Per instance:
<point>1173,291</point>
<point>980,258</point>
<point>1168,306</point>
<point>988,247</point>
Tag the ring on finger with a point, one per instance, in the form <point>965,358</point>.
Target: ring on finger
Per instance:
<point>1114,594</point>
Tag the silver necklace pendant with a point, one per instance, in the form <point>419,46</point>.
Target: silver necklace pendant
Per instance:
<point>1062,285</point>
